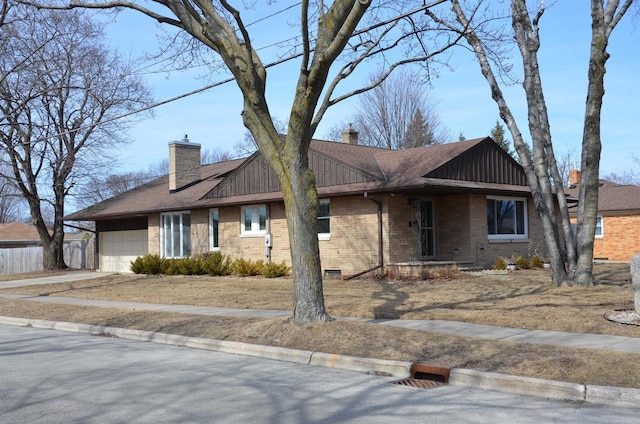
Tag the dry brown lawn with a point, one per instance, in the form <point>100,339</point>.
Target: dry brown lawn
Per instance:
<point>524,299</point>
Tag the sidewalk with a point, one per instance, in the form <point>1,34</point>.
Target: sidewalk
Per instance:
<point>490,332</point>
<point>566,391</point>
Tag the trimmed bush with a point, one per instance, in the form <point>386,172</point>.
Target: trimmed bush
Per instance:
<point>247,267</point>
<point>522,262</point>
<point>274,270</point>
<point>152,264</point>
<point>216,264</point>
<point>171,267</point>
<point>500,263</point>
<point>536,262</point>
<point>137,266</point>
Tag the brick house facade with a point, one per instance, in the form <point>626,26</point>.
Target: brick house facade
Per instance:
<point>618,230</point>
<point>464,202</point>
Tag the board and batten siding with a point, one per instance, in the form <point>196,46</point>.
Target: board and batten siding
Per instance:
<point>256,176</point>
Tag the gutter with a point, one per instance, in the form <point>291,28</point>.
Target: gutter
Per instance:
<point>380,248</point>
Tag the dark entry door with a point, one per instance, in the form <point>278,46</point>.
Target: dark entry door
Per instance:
<point>427,230</point>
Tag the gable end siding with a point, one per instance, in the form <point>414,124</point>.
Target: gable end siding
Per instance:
<point>486,163</point>
<point>256,176</point>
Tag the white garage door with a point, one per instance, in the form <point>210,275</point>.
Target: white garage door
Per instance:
<point>119,248</point>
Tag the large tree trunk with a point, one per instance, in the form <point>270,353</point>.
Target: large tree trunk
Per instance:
<point>301,204</point>
<point>601,27</point>
<point>534,167</point>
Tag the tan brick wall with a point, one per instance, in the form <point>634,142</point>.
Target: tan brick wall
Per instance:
<point>401,241</point>
<point>491,249</point>
<point>621,238</point>
<point>232,243</point>
<point>199,231</point>
<point>353,246</point>
<point>453,227</point>
<point>154,234</point>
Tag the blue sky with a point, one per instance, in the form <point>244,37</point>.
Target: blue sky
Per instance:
<point>463,99</point>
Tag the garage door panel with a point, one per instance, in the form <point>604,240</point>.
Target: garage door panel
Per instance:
<point>119,248</point>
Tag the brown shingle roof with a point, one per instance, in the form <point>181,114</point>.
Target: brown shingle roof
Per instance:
<point>389,170</point>
<point>18,231</point>
<point>154,196</point>
<point>614,197</point>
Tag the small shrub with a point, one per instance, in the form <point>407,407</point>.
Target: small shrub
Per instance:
<point>536,262</point>
<point>171,267</point>
<point>190,266</point>
<point>274,270</point>
<point>215,263</point>
<point>152,264</point>
<point>500,263</point>
<point>247,267</point>
<point>137,265</point>
<point>522,262</point>
<point>443,273</point>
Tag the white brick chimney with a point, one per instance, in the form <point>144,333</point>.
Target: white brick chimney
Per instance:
<point>350,136</point>
<point>184,164</point>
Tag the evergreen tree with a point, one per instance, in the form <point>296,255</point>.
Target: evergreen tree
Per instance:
<point>418,132</point>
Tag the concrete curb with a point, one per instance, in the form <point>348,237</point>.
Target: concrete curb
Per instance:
<point>385,367</point>
<point>374,366</point>
<point>550,389</point>
<point>616,396</point>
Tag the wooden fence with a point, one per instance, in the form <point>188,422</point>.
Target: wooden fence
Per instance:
<point>78,254</point>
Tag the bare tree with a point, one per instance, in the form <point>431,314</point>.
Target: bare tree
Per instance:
<point>248,145</point>
<point>567,161</point>
<point>325,30</point>
<point>398,114</point>
<point>540,165</point>
<point>98,187</point>
<point>628,176</point>
<point>58,84</point>
<point>12,203</point>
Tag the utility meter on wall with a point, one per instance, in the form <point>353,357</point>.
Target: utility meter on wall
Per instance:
<point>267,240</point>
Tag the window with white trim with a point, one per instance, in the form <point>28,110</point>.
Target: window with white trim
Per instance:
<point>175,234</point>
<point>599,227</point>
<point>253,220</point>
<point>214,224</point>
<point>324,220</point>
<point>507,218</point>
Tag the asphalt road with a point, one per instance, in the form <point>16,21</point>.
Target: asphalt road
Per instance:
<point>57,377</point>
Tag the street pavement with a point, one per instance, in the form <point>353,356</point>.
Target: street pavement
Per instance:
<point>569,391</point>
<point>61,377</point>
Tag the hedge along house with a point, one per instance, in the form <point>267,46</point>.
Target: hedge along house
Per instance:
<point>465,202</point>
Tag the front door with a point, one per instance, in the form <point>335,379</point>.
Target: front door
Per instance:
<point>427,230</point>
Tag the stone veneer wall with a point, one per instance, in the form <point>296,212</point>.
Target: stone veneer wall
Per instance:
<point>154,234</point>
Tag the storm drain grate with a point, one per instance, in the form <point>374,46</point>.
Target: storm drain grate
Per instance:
<point>425,376</point>
<point>419,384</point>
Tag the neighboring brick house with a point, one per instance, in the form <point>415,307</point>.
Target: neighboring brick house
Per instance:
<point>618,227</point>
<point>465,202</point>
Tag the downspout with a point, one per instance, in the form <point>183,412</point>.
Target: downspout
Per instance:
<point>380,247</point>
